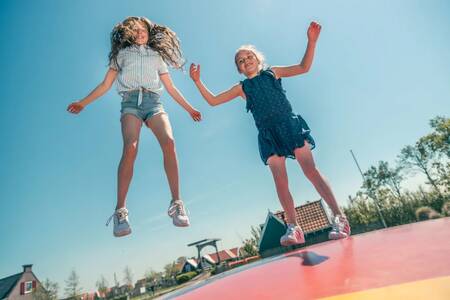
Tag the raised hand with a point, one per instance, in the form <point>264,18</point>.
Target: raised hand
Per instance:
<point>75,107</point>
<point>194,72</point>
<point>314,31</point>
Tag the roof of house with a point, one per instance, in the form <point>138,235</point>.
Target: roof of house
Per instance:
<point>235,251</point>
<point>8,283</point>
<point>311,216</point>
<point>208,259</point>
<point>270,234</point>
<point>224,255</point>
<point>192,262</point>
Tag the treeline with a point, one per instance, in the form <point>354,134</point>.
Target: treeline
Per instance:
<point>382,191</point>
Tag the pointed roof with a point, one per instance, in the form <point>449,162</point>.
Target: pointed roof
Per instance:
<point>208,259</point>
<point>235,251</point>
<point>8,283</point>
<point>192,262</point>
<point>273,229</point>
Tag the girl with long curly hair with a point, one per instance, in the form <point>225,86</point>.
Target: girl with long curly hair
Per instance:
<point>140,53</point>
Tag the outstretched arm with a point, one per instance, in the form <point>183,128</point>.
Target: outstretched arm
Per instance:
<point>101,89</point>
<point>305,64</point>
<point>178,97</point>
<point>213,100</point>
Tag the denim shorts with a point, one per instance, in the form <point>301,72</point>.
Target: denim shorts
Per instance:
<point>150,104</point>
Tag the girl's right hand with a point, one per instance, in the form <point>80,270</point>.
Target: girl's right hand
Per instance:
<point>314,31</point>
<point>75,107</point>
<point>194,72</point>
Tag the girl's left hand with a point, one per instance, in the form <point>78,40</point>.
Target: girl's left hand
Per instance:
<point>195,115</point>
<point>314,31</point>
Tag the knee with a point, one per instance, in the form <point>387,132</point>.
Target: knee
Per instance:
<point>130,150</point>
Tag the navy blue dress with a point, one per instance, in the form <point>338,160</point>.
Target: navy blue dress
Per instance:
<point>280,131</point>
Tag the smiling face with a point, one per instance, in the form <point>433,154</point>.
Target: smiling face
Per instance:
<point>247,63</point>
<point>140,33</point>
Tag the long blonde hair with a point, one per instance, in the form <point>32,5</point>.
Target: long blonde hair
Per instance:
<point>160,38</point>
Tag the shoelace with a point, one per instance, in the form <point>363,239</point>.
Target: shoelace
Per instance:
<point>177,207</point>
<point>290,230</point>
<point>121,215</point>
<point>337,225</point>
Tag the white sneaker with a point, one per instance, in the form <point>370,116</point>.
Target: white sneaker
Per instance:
<point>340,228</point>
<point>121,224</point>
<point>294,235</point>
<point>178,214</point>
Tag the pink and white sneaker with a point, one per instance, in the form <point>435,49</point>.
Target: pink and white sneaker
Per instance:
<point>340,228</point>
<point>178,213</point>
<point>293,236</point>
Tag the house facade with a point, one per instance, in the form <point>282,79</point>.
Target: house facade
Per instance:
<point>19,286</point>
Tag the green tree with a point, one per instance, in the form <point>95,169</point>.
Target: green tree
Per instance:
<point>383,177</point>
<point>431,155</point>
<point>152,276</point>
<point>437,144</point>
<point>170,270</point>
<point>439,140</point>
<point>250,245</point>
<point>418,157</point>
<point>73,288</point>
<point>47,290</point>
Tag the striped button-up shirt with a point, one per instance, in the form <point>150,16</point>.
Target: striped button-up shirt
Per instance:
<point>139,68</point>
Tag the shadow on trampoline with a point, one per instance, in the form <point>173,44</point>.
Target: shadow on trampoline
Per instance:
<point>309,258</point>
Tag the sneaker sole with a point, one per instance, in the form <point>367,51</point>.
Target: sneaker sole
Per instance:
<point>122,233</point>
<point>181,224</point>
<point>290,243</point>
<point>337,236</point>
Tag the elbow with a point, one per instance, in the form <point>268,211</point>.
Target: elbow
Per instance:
<point>304,69</point>
<point>213,102</point>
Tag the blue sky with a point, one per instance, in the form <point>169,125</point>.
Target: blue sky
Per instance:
<point>381,72</point>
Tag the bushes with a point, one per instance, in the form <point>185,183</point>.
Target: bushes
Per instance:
<point>446,209</point>
<point>383,184</point>
<point>408,208</point>
<point>182,278</point>
<point>425,213</point>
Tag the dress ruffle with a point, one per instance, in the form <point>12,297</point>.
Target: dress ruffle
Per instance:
<point>284,137</point>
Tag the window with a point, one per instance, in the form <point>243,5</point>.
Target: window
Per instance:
<point>28,287</point>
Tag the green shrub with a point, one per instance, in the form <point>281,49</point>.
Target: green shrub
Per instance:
<point>446,209</point>
<point>182,278</point>
<point>426,213</point>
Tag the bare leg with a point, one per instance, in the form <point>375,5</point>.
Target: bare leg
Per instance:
<point>278,167</point>
<point>131,127</point>
<point>306,161</point>
<point>160,126</point>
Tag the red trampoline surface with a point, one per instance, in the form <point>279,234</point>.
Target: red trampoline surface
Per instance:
<point>405,262</point>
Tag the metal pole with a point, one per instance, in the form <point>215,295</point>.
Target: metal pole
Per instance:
<point>372,196</point>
